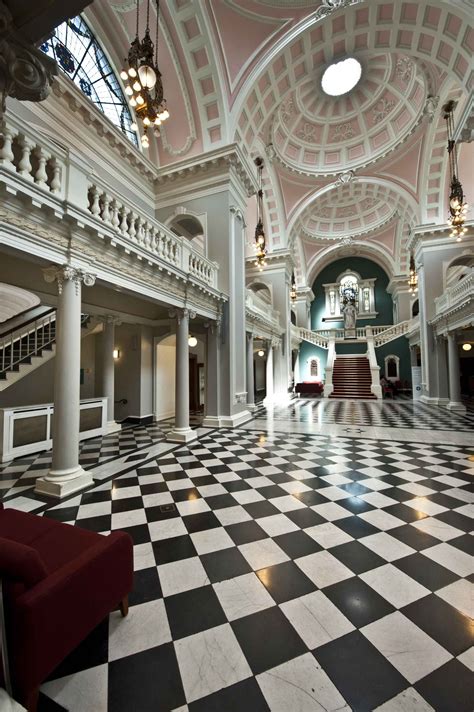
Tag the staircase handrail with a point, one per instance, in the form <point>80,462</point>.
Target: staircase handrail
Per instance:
<point>5,334</point>
<point>8,362</point>
<point>390,333</point>
<point>314,338</point>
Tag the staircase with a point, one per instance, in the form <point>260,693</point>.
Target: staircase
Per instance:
<point>352,378</point>
<point>29,346</point>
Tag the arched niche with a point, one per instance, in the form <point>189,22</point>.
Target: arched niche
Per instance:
<point>191,227</point>
<point>262,290</point>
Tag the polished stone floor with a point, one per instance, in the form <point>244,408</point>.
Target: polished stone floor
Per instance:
<point>291,564</point>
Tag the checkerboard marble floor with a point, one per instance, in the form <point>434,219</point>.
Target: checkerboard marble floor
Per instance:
<point>283,572</point>
<point>397,413</point>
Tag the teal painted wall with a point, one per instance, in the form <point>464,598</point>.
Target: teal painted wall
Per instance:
<point>383,305</point>
<point>367,270</point>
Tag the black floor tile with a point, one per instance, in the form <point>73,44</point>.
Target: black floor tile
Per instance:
<point>431,575</point>
<point>356,527</point>
<point>356,557</point>
<point>194,611</point>
<point>442,622</point>
<point>297,544</point>
<point>148,681</point>
<point>260,509</point>
<point>305,517</point>
<point>362,675</point>
<point>173,549</point>
<point>450,688</point>
<point>200,522</point>
<point>267,639</point>
<point>358,601</point>
<point>225,564</point>
<point>411,536</point>
<point>146,586</point>
<point>245,532</point>
<point>233,699</point>
<point>464,543</point>
<point>285,581</point>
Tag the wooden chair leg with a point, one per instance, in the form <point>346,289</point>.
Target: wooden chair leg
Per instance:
<point>32,700</point>
<point>124,606</point>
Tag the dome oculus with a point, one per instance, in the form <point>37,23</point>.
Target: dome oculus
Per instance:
<point>341,77</point>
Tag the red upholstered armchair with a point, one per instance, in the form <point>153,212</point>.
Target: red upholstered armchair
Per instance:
<point>58,583</point>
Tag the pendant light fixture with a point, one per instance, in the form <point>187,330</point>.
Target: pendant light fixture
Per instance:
<point>293,288</point>
<point>412,277</point>
<point>145,88</point>
<point>260,248</point>
<point>457,205</point>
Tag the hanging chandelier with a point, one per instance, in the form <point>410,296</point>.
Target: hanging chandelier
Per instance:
<point>260,248</point>
<point>293,288</point>
<point>457,205</point>
<point>145,88</point>
<point>412,277</point>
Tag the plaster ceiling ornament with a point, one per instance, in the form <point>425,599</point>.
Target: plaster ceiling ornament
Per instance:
<point>343,131</point>
<point>404,68</point>
<point>327,7</point>
<point>347,241</point>
<point>270,152</point>
<point>430,107</point>
<point>344,178</point>
<point>381,110</point>
<point>26,73</point>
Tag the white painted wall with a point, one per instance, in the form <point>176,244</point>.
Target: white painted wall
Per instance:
<point>165,378</point>
<point>260,372</point>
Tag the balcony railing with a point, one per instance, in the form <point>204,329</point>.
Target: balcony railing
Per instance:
<point>262,309</point>
<point>31,161</point>
<point>456,294</point>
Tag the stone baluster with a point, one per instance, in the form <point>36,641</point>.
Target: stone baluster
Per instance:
<point>123,220</point>
<point>95,205</point>
<point>56,179</point>
<point>24,166</point>
<point>132,232</point>
<point>106,208</point>
<point>6,152</point>
<point>41,177</point>
<point>140,231</point>
<point>115,214</point>
<point>160,243</point>
<point>147,235</point>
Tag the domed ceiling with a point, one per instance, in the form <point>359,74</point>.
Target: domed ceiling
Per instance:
<point>322,135</point>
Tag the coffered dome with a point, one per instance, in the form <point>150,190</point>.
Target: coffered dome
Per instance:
<point>315,133</point>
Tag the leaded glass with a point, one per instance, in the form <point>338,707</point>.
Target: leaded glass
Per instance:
<point>81,58</point>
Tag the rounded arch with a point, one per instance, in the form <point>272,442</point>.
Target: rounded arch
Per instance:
<point>335,252</point>
<point>262,289</point>
<point>190,225</point>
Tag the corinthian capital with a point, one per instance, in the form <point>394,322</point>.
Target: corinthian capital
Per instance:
<point>63,273</point>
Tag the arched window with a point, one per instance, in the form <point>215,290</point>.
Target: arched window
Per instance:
<point>415,310</point>
<point>314,368</point>
<point>82,59</point>
<point>392,367</point>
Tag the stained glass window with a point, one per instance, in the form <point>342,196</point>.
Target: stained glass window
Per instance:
<point>82,59</point>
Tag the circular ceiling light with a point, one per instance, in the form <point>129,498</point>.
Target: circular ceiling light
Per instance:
<point>192,341</point>
<point>341,77</point>
<point>261,353</point>
<point>467,347</point>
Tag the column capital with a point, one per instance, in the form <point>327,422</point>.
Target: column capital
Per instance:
<point>63,273</point>
<point>110,319</point>
<point>181,314</point>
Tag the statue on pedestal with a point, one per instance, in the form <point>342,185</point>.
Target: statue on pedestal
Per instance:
<point>350,316</point>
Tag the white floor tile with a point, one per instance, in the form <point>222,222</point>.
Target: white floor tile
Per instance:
<point>409,649</point>
<point>277,524</point>
<point>459,594</point>
<point>211,540</point>
<point>242,596</point>
<point>437,528</point>
<point>407,701</point>
<point>83,691</point>
<point>288,503</point>
<point>232,515</point>
<point>394,585</point>
<point>382,520</point>
<point>331,511</point>
<point>263,553</point>
<point>328,535</point>
<point>179,576</point>
<point>451,558</point>
<point>301,685</point>
<point>209,661</point>
<point>387,546</point>
<point>192,506</point>
<point>316,619</point>
<point>323,568</point>
<point>146,626</point>
<point>143,556</point>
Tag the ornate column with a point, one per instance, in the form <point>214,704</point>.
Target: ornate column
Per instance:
<point>181,432</point>
<point>455,402</point>
<point>108,371</point>
<point>66,476</point>
<point>250,375</point>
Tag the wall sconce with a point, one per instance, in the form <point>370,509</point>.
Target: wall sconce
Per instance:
<point>261,353</point>
<point>467,347</point>
<point>192,341</point>
<point>116,353</point>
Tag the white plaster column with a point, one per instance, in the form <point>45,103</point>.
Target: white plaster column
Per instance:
<point>213,376</point>
<point>181,432</point>
<point>108,371</point>
<point>296,371</point>
<point>442,371</point>
<point>455,402</point>
<point>250,376</point>
<point>269,374</point>
<point>413,356</point>
<point>66,476</point>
